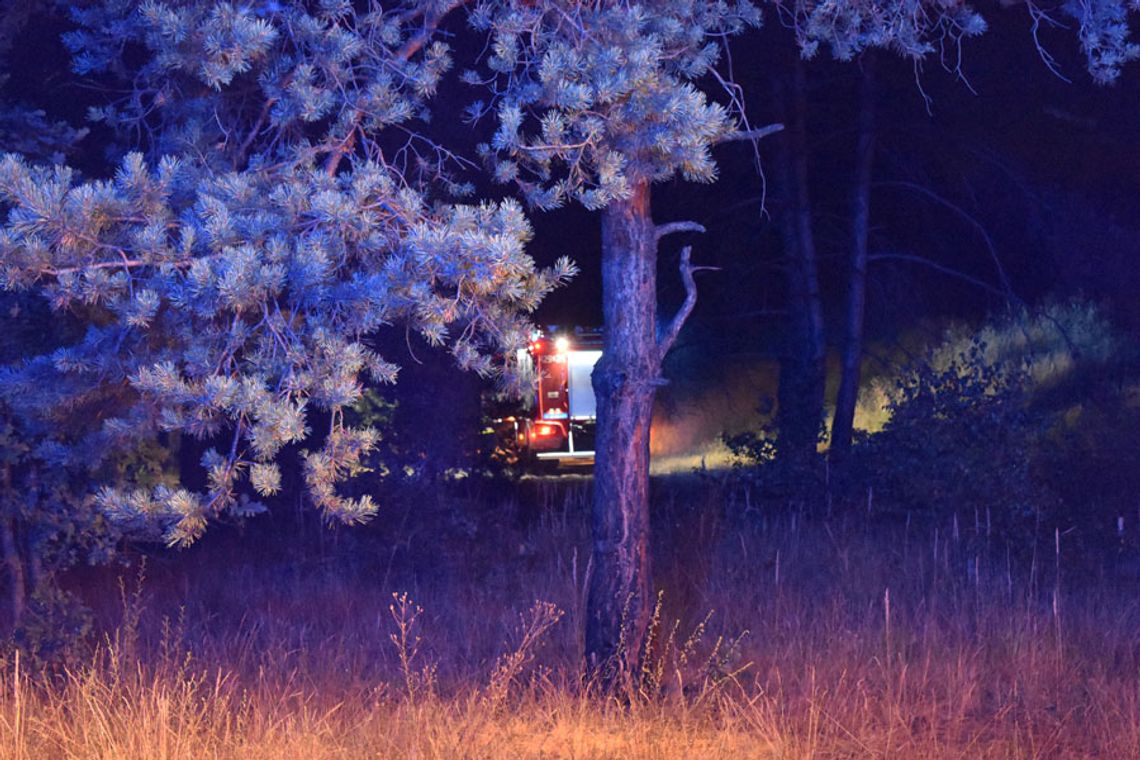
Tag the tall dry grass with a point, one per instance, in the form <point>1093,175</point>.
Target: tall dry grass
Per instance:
<point>850,635</point>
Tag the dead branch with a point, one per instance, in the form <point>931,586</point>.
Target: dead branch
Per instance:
<point>687,270</point>
<point>752,134</point>
<point>672,227</point>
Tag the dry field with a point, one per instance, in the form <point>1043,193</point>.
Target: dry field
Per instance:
<point>783,633</point>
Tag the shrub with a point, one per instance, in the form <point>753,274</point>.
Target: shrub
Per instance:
<point>960,438</point>
<point>1026,420</point>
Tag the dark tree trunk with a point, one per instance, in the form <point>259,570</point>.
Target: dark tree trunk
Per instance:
<point>624,379</point>
<point>843,423</point>
<point>802,358</point>
<point>17,585</point>
<point>10,547</point>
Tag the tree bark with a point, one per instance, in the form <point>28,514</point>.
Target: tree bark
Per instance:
<point>625,380</point>
<point>802,368</point>
<point>843,423</point>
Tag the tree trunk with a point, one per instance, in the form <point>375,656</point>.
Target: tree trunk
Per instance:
<point>625,380</point>
<point>802,368</point>
<point>843,423</point>
<point>17,583</point>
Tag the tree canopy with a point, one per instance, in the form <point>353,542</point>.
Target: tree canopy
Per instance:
<point>276,209</point>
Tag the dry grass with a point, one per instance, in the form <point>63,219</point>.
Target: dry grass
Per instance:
<point>865,637</point>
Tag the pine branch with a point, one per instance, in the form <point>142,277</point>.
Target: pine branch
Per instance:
<point>344,148</point>
<point>254,131</point>
<point>123,264</point>
<point>404,54</point>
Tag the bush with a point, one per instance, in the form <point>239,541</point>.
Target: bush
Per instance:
<point>960,438</point>
<point>1028,421</point>
<point>1048,345</point>
<point>798,479</point>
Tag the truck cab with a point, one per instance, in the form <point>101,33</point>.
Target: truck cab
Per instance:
<point>558,418</point>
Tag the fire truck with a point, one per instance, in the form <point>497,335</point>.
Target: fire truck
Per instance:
<point>557,419</point>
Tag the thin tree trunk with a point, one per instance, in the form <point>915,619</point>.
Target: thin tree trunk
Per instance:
<point>843,424</point>
<point>625,380</point>
<point>17,586</point>
<point>802,368</point>
<point>17,583</point>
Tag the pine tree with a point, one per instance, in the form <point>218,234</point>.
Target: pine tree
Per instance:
<point>594,103</point>
<point>273,207</point>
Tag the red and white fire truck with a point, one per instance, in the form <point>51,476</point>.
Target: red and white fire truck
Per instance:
<point>558,417</point>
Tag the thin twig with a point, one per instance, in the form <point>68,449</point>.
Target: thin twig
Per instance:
<point>939,267</point>
<point>923,190</point>
<point>752,134</point>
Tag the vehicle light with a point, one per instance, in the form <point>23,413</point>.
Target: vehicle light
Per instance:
<point>562,344</point>
<point>545,431</point>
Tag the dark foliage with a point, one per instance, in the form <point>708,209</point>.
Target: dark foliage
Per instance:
<point>961,439</point>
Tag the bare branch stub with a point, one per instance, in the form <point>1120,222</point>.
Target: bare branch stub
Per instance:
<point>674,227</point>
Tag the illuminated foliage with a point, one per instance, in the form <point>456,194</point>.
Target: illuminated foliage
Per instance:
<point>592,98</point>
<point>232,269</point>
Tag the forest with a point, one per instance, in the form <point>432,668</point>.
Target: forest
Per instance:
<point>564,379</point>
